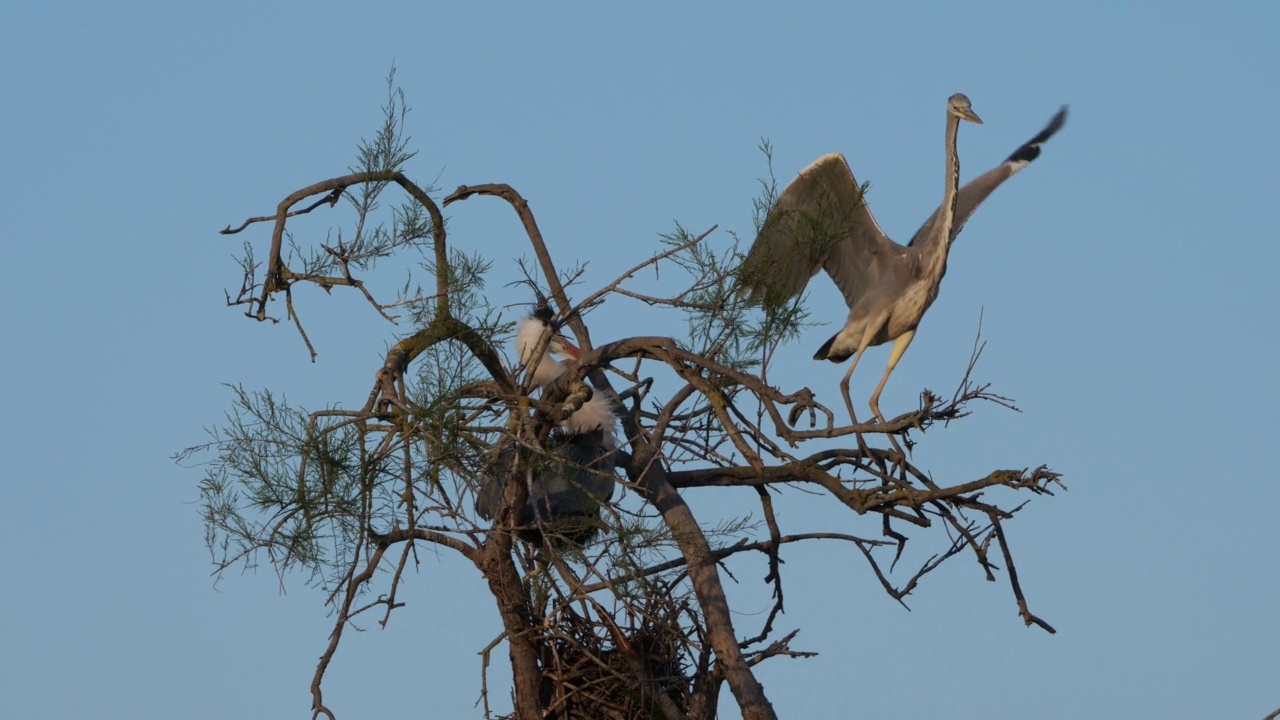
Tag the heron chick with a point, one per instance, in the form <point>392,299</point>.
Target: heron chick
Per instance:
<point>574,476</point>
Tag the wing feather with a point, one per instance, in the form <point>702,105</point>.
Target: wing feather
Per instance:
<point>821,221</point>
<point>977,189</point>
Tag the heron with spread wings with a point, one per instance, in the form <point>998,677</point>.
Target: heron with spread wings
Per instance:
<point>821,222</point>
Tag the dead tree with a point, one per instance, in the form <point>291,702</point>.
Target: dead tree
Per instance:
<point>636,624</point>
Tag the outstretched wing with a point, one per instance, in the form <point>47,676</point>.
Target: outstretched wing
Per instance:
<point>821,221</point>
<point>977,189</point>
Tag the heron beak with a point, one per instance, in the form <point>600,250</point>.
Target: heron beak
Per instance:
<point>971,116</point>
<point>567,348</point>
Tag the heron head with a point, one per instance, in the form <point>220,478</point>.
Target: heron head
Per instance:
<point>560,345</point>
<point>531,332</point>
<point>959,106</point>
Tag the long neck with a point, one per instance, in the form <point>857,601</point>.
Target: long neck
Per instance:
<point>936,245</point>
<point>953,180</point>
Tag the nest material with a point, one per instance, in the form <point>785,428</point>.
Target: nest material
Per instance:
<point>594,669</point>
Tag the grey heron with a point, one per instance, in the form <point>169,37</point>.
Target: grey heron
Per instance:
<point>821,221</point>
<point>569,482</point>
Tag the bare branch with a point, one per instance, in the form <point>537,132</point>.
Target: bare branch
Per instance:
<point>331,200</point>
<point>1026,614</point>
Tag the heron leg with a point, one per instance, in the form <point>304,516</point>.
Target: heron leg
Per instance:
<point>868,335</point>
<point>900,345</point>
<point>844,385</point>
<point>844,390</point>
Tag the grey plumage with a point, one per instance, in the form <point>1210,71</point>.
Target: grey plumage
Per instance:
<point>821,221</point>
<point>567,486</point>
<point>574,474</point>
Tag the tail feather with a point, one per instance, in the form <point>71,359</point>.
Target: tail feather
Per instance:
<point>824,352</point>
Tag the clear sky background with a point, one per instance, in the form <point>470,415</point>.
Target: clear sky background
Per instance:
<point>1127,280</point>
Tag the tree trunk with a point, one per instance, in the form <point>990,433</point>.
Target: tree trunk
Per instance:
<point>513,605</point>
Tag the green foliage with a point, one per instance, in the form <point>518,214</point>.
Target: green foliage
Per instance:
<point>716,302</point>
<point>370,239</point>
<point>283,483</point>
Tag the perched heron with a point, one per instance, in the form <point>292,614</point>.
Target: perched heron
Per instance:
<point>821,221</point>
<point>575,476</point>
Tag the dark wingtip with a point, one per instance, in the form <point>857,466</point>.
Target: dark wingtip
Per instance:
<point>1030,150</point>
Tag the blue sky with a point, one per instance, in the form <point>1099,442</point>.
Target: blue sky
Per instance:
<point>1125,279</point>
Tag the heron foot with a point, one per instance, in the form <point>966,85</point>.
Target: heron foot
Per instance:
<point>862,447</point>
<point>897,457</point>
